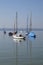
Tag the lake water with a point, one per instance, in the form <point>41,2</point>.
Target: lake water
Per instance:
<point>22,52</point>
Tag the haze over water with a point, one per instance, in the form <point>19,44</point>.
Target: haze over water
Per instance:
<point>8,9</point>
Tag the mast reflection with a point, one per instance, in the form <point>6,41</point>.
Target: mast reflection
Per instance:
<point>29,51</point>
<point>30,46</point>
<point>16,53</point>
<point>18,43</point>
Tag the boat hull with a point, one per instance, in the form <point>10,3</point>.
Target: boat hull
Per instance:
<point>17,37</point>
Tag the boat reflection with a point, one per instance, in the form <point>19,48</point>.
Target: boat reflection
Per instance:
<point>18,40</point>
<point>24,52</point>
<point>16,53</point>
<point>29,51</point>
<point>32,38</point>
<point>30,55</point>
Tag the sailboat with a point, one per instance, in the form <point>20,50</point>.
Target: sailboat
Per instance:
<point>15,32</point>
<point>31,34</point>
<point>17,35</point>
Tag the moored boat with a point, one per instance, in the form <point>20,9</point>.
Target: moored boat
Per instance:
<point>18,36</point>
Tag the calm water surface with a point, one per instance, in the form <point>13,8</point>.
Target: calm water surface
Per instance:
<point>23,52</point>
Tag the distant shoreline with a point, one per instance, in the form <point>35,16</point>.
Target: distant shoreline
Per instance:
<point>35,29</point>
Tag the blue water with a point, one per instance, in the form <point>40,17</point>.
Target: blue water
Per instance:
<point>24,52</point>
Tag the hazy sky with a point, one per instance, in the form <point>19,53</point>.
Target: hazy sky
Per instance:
<point>8,10</point>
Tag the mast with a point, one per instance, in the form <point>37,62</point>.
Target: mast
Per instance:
<point>27,24</point>
<point>14,27</point>
<point>16,21</point>
<point>30,23</point>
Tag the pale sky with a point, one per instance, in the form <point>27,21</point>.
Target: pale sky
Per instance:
<point>8,10</point>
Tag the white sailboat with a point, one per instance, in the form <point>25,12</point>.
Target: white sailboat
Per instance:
<point>17,35</point>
